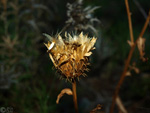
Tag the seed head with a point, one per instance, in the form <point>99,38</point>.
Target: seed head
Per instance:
<point>80,18</point>
<point>70,56</point>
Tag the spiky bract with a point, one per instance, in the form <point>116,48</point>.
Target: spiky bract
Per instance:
<point>70,56</point>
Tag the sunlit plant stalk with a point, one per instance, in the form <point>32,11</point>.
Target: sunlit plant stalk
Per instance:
<point>70,57</point>
<point>75,96</point>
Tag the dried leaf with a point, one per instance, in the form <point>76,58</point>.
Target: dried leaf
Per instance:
<point>130,43</point>
<point>67,91</point>
<point>133,67</point>
<point>128,73</point>
<point>141,47</point>
<point>136,70</point>
<point>98,107</point>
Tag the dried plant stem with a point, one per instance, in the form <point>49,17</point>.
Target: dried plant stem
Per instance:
<point>75,96</point>
<point>127,65</point>
<point>121,78</point>
<point>145,25</point>
<point>130,22</point>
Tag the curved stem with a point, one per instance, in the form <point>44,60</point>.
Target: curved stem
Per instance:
<point>75,96</point>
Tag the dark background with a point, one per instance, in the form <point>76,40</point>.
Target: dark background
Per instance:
<point>28,82</point>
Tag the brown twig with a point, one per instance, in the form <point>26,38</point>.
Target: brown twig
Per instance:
<point>127,63</point>
<point>145,25</point>
<point>121,78</point>
<point>75,96</point>
<point>130,22</point>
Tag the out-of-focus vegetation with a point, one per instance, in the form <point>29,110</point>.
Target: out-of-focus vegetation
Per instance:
<point>29,84</point>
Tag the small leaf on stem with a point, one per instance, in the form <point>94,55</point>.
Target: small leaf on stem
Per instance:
<point>64,91</point>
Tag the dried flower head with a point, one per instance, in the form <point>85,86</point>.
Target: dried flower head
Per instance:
<point>81,18</point>
<point>70,56</point>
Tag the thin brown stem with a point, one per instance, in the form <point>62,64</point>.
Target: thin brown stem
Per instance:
<point>75,96</point>
<point>127,65</point>
<point>121,79</point>
<point>130,22</point>
<point>145,25</point>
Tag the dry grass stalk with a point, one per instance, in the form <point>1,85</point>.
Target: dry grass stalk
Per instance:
<point>130,22</point>
<point>120,105</point>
